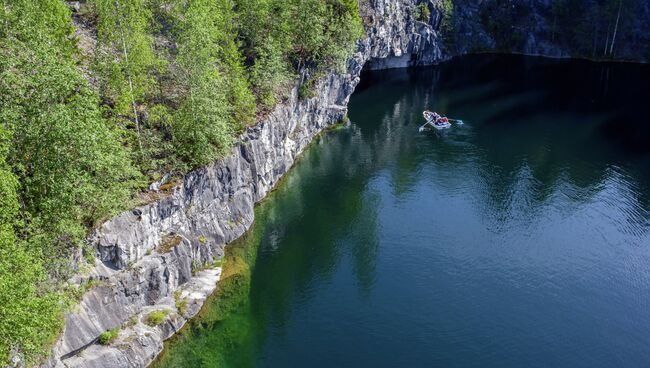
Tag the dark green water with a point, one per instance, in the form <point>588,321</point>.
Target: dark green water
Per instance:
<point>520,239</point>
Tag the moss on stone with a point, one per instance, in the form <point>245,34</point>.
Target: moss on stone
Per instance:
<point>169,242</point>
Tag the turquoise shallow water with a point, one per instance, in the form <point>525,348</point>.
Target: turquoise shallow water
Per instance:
<point>521,238</point>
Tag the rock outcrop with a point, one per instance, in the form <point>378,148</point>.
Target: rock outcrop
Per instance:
<point>598,30</point>
<point>164,257</point>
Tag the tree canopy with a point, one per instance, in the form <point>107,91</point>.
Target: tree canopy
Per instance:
<point>166,85</point>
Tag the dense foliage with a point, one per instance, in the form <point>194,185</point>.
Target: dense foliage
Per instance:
<point>217,99</point>
<point>166,87</point>
<point>62,166</point>
<point>124,60</point>
<point>29,312</point>
<point>422,12</point>
<point>231,60</point>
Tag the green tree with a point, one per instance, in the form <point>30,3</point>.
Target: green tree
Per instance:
<point>422,13</point>
<point>40,21</point>
<point>30,313</point>
<point>265,37</point>
<point>70,162</point>
<point>70,165</point>
<point>344,28</point>
<point>447,25</point>
<point>240,97</point>
<point>202,129</point>
<point>125,57</point>
<point>324,33</point>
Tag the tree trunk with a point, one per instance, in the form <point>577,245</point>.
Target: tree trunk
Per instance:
<point>128,76</point>
<point>609,27</point>
<point>618,17</point>
<point>554,25</point>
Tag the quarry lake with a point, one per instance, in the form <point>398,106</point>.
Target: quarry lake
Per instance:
<point>518,239</point>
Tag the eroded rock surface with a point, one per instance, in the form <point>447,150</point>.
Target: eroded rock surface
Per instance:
<point>165,255</point>
<point>162,255</point>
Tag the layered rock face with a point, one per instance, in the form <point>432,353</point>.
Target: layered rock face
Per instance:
<point>598,30</point>
<point>164,256</point>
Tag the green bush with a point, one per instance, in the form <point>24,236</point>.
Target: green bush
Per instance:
<point>307,90</point>
<point>422,12</point>
<point>181,303</point>
<point>155,318</point>
<point>107,337</point>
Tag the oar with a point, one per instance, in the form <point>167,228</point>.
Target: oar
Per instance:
<point>457,121</point>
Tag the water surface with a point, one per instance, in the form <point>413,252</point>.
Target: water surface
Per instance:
<point>519,239</point>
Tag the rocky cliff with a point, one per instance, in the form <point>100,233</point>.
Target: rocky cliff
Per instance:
<point>612,30</point>
<point>165,256</point>
<point>593,29</point>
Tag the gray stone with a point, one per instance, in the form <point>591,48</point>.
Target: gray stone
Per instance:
<point>214,205</point>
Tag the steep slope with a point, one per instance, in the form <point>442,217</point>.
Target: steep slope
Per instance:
<point>164,256</point>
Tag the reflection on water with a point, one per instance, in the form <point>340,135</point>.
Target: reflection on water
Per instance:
<point>517,239</point>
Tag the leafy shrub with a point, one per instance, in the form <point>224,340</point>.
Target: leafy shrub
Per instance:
<point>422,12</point>
<point>181,303</point>
<point>107,337</point>
<point>155,318</point>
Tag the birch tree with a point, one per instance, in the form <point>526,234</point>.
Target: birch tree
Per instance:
<point>618,18</point>
<point>125,57</point>
<point>61,168</point>
<point>201,125</point>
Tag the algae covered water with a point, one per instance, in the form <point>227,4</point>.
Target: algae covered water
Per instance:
<point>521,238</point>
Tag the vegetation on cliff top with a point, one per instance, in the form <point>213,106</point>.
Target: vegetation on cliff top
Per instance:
<point>166,86</point>
<point>148,87</point>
